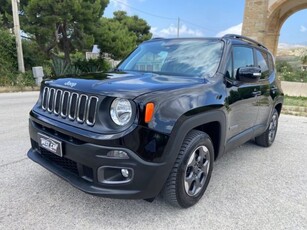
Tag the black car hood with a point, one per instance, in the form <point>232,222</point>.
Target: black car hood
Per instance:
<point>125,84</point>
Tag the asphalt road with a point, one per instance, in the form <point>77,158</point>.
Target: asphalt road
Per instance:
<point>251,187</point>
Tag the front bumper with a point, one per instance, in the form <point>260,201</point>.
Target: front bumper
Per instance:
<point>82,165</point>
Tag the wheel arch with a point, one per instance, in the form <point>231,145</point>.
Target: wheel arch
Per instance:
<point>201,121</point>
<point>213,129</point>
<point>211,122</point>
<point>278,107</point>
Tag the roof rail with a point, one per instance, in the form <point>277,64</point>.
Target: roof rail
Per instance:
<point>244,39</point>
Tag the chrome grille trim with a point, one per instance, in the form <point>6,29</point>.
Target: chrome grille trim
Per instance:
<point>72,105</point>
<point>88,121</point>
<point>57,102</point>
<point>50,103</point>
<point>79,108</point>
<point>64,115</point>
<point>72,111</point>
<point>45,97</point>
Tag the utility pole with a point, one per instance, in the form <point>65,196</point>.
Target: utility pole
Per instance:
<point>178,27</point>
<point>21,66</point>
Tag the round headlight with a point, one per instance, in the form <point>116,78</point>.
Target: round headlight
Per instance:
<point>121,111</point>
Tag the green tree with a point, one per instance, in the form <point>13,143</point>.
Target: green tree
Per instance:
<point>114,38</point>
<point>121,34</point>
<point>6,13</point>
<point>283,67</point>
<point>135,25</point>
<point>33,55</point>
<point>8,59</point>
<point>304,59</point>
<point>58,25</point>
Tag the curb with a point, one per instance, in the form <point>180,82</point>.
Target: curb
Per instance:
<point>11,89</point>
<point>294,110</point>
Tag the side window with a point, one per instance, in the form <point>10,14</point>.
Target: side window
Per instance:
<point>271,64</point>
<point>263,63</point>
<point>242,57</point>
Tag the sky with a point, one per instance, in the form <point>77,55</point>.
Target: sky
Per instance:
<point>203,18</point>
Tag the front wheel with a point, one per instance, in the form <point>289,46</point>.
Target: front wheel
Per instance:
<point>267,138</point>
<point>191,173</point>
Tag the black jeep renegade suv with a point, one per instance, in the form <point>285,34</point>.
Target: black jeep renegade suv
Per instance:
<point>159,120</point>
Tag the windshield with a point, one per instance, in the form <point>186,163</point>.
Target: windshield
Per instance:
<point>176,57</point>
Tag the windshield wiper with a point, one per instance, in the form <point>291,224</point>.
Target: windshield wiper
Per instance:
<point>117,70</point>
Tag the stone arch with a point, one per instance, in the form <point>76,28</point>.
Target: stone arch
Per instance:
<point>263,19</point>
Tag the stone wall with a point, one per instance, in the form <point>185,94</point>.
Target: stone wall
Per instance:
<point>263,19</point>
<point>294,88</point>
<point>255,19</point>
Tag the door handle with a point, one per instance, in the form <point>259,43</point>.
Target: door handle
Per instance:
<point>256,93</point>
<point>273,88</point>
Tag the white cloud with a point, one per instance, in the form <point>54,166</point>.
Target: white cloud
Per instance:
<point>303,29</point>
<point>232,30</point>
<point>171,31</point>
<point>154,30</point>
<point>122,5</point>
<point>290,46</point>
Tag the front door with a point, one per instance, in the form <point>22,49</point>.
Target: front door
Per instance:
<point>242,99</point>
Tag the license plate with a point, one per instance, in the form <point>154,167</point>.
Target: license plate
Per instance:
<point>50,144</point>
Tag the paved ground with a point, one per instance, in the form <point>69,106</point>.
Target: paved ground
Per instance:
<point>251,187</point>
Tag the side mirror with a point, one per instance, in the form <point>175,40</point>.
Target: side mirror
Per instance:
<point>248,74</point>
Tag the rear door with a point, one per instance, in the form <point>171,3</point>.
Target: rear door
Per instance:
<point>264,98</point>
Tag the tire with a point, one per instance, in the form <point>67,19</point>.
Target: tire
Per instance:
<point>191,172</point>
<point>267,138</point>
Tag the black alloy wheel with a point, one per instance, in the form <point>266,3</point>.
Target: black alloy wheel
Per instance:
<point>192,170</point>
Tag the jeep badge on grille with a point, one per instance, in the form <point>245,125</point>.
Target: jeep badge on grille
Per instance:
<point>71,84</point>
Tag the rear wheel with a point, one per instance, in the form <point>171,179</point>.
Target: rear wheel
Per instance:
<point>191,173</point>
<point>267,138</point>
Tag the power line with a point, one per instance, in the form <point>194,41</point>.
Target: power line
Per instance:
<point>144,12</point>
<point>192,23</point>
<point>163,17</point>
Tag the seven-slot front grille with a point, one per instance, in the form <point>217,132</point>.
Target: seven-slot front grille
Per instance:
<point>71,105</point>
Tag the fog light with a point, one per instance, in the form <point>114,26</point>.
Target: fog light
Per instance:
<point>125,173</point>
<point>118,154</point>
